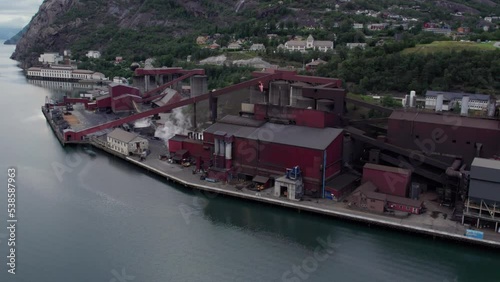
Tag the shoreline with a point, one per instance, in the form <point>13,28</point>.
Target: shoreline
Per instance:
<point>185,177</point>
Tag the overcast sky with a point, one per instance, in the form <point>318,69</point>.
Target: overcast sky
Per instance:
<point>17,13</point>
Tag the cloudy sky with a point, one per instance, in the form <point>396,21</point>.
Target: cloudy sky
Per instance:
<point>17,13</point>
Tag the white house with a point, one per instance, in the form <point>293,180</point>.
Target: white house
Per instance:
<point>357,25</point>
<point>354,45</point>
<point>93,54</point>
<point>50,58</point>
<point>310,43</point>
<point>257,47</point>
<point>234,46</point>
<point>126,143</point>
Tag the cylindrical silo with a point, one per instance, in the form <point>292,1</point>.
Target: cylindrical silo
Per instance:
<point>304,103</point>
<point>491,108</point>
<point>465,106</point>
<point>277,92</point>
<point>296,91</point>
<point>439,102</point>
<point>325,105</point>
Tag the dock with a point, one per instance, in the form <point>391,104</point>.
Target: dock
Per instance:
<point>424,224</point>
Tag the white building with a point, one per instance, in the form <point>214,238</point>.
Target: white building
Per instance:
<point>310,43</point>
<point>63,72</point>
<point>50,58</point>
<point>126,143</point>
<point>357,25</point>
<point>257,47</point>
<point>355,45</point>
<point>478,102</point>
<point>82,74</point>
<point>234,46</point>
<point>93,54</point>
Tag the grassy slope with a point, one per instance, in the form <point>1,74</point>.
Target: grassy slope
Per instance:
<point>446,46</point>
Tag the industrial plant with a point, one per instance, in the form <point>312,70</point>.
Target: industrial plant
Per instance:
<point>295,138</point>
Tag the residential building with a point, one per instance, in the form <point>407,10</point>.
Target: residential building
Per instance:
<point>355,45</point>
<point>201,40</point>
<point>357,26</point>
<point>310,43</point>
<point>126,143</point>
<point>478,102</point>
<point>234,46</point>
<point>214,46</point>
<point>313,65</point>
<point>93,54</point>
<point>377,26</point>
<point>50,58</point>
<point>463,30</point>
<point>257,47</point>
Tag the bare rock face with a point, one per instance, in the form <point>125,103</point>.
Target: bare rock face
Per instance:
<point>43,32</point>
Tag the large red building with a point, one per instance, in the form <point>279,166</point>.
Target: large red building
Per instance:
<point>445,134</point>
<point>244,147</point>
<point>389,180</point>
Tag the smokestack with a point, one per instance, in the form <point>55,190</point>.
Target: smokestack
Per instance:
<point>412,99</point>
<point>439,103</point>
<point>491,108</point>
<point>465,106</point>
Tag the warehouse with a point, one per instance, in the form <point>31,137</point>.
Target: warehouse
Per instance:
<point>126,143</point>
<point>240,146</point>
<point>453,135</point>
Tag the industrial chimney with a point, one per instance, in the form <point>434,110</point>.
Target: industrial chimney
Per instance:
<point>439,103</point>
<point>465,106</point>
<point>491,108</point>
<point>412,99</point>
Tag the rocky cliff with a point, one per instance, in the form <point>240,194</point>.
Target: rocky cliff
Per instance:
<point>99,24</point>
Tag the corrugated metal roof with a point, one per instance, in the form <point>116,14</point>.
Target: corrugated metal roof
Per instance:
<point>260,179</point>
<point>122,135</point>
<point>237,120</point>
<point>445,119</point>
<point>387,168</point>
<point>457,95</point>
<point>178,137</point>
<point>293,135</point>
<point>236,130</point>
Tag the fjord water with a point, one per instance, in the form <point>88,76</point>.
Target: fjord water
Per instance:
<point>101,219</point>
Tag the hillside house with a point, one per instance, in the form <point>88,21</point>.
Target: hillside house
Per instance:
<point>310,43</point>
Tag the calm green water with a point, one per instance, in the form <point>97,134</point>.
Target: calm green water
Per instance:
<point>102,220</point>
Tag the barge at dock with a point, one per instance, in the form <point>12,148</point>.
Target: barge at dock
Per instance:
<point>252,148</point>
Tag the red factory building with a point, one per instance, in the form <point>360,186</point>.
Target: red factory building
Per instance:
<point>454,135</point>
<point>389,180</point>
<point>247,147</point>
